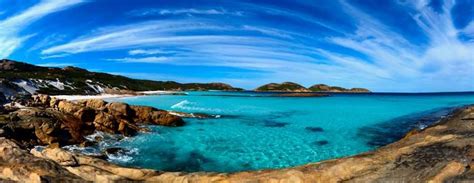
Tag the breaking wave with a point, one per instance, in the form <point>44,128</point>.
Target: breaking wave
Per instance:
<point>191,106</point>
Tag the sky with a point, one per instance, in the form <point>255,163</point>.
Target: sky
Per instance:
<point>386,46</point>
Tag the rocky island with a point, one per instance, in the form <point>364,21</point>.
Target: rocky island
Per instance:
<point>336,89</point>
<point>282,87</point>
<point>295,89</point>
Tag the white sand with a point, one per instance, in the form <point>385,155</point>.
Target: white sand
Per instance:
<point>156,92</point>
<point>106,96</point>
<point>82,97</point>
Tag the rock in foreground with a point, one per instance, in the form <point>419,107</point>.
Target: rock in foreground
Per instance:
<point>46,120</point>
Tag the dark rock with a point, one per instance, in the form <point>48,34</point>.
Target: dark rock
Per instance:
<point>274,124</point>
<point>86,114</point>
<point>115,151</point>
<point>321,142</point>
<point>3,99</point>
<point>314,129</point>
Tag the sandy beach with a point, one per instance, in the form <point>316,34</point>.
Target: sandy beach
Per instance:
<point>108,96</point>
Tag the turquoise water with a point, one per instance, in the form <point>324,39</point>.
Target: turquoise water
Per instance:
<point>255,131</point>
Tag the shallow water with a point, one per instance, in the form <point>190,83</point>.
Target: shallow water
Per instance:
<point>258,132</point>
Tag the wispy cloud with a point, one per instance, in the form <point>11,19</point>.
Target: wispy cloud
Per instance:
<point>379,56</point>
<point>444,60</point>
<point>53,64</point>
<point>54,56</point>
<point>12,26</point>
<point>141,60</point>
<point>191,11</point>
<point>148,52</point>
<point>47,41</point>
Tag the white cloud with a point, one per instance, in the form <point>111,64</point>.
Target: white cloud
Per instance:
<point>54,56</point>
<point>411,67</point>
<point>147,52</point>
<point>52,64</point>
<point>11,26</point>
<point>191,11</point>
<point>469,31</point>
<point>141,60</point>
<point>47,41</point>
<point>390,62</point>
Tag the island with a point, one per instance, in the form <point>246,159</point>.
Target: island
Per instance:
<point>282,87</point>
<point>337,89</point>
<point>297,88</point>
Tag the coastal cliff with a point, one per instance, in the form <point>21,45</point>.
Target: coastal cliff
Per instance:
<point>297,88</point>
<point>440,153</point>
<point>18,78</point>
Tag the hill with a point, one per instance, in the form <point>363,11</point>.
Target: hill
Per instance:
<point>294,87</point>
<point>337,89</point>
<point>23,78</point>
<point>283,87</point>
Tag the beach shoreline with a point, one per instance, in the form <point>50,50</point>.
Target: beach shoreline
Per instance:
<point>110,96</point>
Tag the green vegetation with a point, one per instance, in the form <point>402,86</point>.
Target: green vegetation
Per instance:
<point>77,77</point>
<point>286,86</point>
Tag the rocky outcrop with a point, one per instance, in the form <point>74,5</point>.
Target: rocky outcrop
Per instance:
<point>47,120</point>
<point>337,89</point>
<point>294,87</point>
<point>282,87</point>
<point>305,94</point>
<point>17,164</point>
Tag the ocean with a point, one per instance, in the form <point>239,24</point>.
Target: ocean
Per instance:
<point>253,131</point>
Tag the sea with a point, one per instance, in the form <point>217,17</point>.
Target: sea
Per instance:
<point>255,131</point>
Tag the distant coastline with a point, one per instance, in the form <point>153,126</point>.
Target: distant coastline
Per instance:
<point>297,88</point>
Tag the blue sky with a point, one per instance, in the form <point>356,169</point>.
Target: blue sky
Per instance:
<point>389,45</point>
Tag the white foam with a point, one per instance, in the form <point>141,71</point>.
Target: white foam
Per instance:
<point>186,105</point>
<point>123,157</point>
<point>90,151</point>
